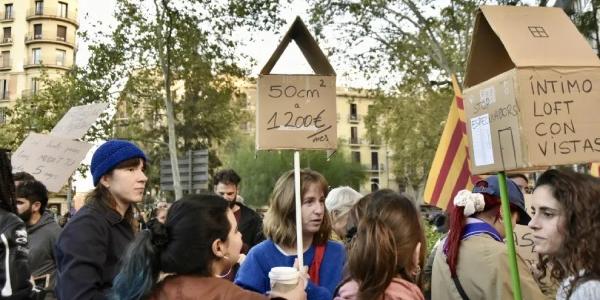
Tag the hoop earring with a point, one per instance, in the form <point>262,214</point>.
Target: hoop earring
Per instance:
<point>230,268</point>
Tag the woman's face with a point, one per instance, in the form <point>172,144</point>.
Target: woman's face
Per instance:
<point>162,216</point>
<point>313,209</point>
<point>126,185</point>
<point>547,222</point>
<point>233,245</point>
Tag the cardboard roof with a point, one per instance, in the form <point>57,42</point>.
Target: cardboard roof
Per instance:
<point>505,37</point>
<point>307,44</point>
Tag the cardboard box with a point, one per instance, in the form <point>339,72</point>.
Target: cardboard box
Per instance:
<point>297,111</point>
<point>532,91</point>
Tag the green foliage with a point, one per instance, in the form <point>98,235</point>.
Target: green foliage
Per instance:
<point>261,169</point>
<point>411,124</point>
<point>421,42</point>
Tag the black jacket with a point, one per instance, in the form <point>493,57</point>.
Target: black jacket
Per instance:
<point>13,243</point>
<point>88,253</point>
<point>250,225</point>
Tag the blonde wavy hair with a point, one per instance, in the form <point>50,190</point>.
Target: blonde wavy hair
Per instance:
<point>279,224</point>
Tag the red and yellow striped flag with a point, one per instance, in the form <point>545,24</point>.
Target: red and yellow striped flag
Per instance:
<point>595,169</point>
<point>450,171</point>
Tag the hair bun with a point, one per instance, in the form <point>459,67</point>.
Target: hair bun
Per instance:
<point>159,234</point>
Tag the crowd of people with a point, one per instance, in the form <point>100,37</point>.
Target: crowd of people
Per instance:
<point>213,246</point>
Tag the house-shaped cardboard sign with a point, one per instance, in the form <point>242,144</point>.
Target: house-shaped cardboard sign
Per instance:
<point>532,91</point>
<point>297,111</point>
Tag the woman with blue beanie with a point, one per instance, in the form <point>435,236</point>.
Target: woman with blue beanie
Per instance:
<point>90,247</point>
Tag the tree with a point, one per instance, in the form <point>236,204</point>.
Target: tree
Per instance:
<point>260,170</point>
<point>411,48</point>
<point>191,41</point>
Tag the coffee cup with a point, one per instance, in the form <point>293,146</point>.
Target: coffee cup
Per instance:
<point>283,279</point>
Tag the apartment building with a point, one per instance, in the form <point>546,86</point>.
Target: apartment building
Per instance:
<point>36,36</point>
<point>352,107</point>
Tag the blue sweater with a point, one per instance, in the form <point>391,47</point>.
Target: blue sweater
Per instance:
<point>254,272</point>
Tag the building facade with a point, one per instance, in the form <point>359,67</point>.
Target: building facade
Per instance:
<point>352,107</point>
<point>38,36</point>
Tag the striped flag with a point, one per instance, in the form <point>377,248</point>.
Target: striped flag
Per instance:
<point>595,169</point>
<point>449,171</point>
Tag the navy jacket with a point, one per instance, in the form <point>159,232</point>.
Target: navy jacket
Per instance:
<point>88,253</point>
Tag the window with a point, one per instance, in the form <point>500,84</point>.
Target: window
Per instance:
<point>374,184</point>
<point>39,7</point>
<point>61,33</point>
<point>8,11</point>
<point>353,135</point>
<point>35,85</point>
<point>4,89</point>
<point>5,58</point>
<point>356,157</point>
<point>63,9</point>
<point>37,56</point>
<point>7,37</point>
<point>37,31</point>
<point>353,113</point>
<point>60,57</point>
<point>374,161</point>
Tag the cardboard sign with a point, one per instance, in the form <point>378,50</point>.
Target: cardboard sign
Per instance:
<point>297,111</point>
<point>49,159</point>
<point>524,245</point>
<point>78,120</point>
<point>533,85</point>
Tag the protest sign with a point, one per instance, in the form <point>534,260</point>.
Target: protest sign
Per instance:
<point>297,111</point>
<point>523,236</point>
<point>532,84</point>
<point>76,122</point>
<point>49,159</point>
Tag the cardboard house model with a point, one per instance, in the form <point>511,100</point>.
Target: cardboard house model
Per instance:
<point>532,91</point>
<point>297,111</point>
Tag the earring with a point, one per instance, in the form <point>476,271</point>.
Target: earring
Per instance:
<point>416,271</point>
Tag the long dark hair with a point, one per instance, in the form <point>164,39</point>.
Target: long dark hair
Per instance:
<point>183,245</point>
<point>385,242</point>
<point>578,194</point>
<point>458,222</point>
<point>7,185</point>
<point>101,196</point>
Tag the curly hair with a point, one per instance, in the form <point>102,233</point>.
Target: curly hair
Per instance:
<point>578,195</point>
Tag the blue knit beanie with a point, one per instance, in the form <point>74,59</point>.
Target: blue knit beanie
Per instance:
<point>112,153</point>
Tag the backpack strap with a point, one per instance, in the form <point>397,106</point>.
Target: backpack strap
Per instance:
<point>460,289</point>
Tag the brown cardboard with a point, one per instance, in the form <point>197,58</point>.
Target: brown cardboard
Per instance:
<point>528,102</point>
<point>297,111</point>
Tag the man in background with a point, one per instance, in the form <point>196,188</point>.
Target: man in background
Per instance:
<point>43,231</point>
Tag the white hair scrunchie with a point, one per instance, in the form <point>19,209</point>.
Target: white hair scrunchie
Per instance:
<point>472,202</point>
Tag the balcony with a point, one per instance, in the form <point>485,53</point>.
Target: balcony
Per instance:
<point>354,142</point>
<point>31,63</point>
<point>6,18</point>
<point>52,13</point>
<point>47,37</point>
<point>6,41</point>
<point>5,64</point>
<point>353,119</point>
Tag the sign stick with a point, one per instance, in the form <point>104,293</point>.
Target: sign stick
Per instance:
<point>510,242</point>
<point>299,245</point>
